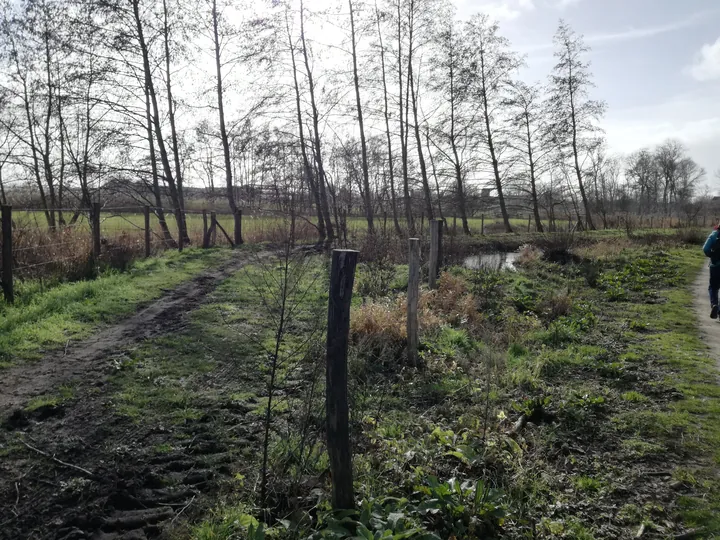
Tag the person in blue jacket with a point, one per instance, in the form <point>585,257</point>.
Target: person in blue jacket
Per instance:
<point>712,250</point>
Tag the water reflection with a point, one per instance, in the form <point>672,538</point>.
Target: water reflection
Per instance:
<point>492,261</point>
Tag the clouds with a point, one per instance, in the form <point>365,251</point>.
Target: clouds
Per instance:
<point>501,10</point>
<point>706,66</point>
<point>562,4</point>
<point>693,118</point>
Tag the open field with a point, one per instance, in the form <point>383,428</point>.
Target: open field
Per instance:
<point>569,398</point>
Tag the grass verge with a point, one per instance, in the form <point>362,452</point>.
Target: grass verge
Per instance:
<point>47,320</point>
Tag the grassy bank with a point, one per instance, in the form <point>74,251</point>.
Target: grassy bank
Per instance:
<point>46,319</point>
<point>566,399</point>
<point>569,398</point>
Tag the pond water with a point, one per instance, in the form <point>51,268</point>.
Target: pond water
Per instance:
<point>492,261</point>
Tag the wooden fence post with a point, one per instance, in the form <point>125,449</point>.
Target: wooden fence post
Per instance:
<point>238,227</point>
<point>435,252</point>
<point>482,224</point>
<point>342,277</point>
<point>7,259</point>
<point>206,238</point>
<point>213,228</point>
<point>146,211</point>
<point>413,295</point>
<point>178,219</point>
<point>96,229</point>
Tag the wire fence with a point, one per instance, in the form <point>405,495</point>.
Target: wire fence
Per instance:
<point>72,244</point>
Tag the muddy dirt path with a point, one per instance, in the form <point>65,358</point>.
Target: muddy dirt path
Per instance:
<point>81,471</point>
<point>88,359</point>
<point>709,329</point>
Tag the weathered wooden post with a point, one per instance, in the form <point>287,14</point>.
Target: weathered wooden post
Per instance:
<point>413,295</point>
<point>435,252</point>
<point>95,229</point>
<point>213,228</point>
<point>529,222</point>
<point>7,259</point>
<point>146,212</point>
<point>178,219</point>
<point>482,224</point>
<point>238,227</point>
<point>342,277</point>
<point>181,240</point>
<point>206,238</point>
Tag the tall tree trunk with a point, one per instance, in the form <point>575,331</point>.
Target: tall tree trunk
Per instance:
<point>418,140</point>
<point>307,168</point>
<point>155,112</point>
<point>61,178</point>
<point>33,139</point>
<point>578,172</point>
<point>367,199</point>
<point>460,195</point>
<point>49,178</point>
<point>391,165</point>
<point>221,111</point>
<point>435,176</point>
<point>403,134</point>
<point>167,236</point>
<point>491,147</point>
<point>316,129</point>
<point>173,130</point>
<point>533,188</point>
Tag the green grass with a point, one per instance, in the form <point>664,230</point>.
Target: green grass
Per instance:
<point>43,321</point>
<point>617,386</point>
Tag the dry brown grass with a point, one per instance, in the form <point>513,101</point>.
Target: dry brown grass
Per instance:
<point>556,305</point>
<point>528,254</point>
<point>386,319</point>
<point>451,303</point>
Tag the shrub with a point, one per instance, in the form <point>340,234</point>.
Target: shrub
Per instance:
<point>558,247</point>
<point>453,299</point>
<point>528,254</point>
<point>555,306</point>
<point>693,237</point>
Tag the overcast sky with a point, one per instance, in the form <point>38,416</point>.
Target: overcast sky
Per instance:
<point>656,63</point>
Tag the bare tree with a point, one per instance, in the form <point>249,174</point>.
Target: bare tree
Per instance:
<point>575,115</point>
<point>490,69</point>
<point>321,179</point>
<point>530,138</point>
<point>367,198</point>
<point>386,115</point>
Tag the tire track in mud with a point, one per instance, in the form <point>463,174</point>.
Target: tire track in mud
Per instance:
<point>87,359</point>
<point>128,491</point>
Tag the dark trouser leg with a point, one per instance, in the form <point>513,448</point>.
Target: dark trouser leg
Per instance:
<point>714,285</point>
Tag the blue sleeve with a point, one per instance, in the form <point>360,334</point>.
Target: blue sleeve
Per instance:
<point>710,242</point>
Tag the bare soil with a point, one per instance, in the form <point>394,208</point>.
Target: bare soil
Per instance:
<point>78,469</point>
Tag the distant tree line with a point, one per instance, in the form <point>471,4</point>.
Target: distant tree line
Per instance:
<point>389,109</point>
